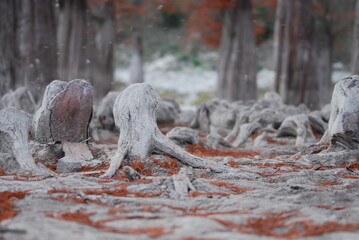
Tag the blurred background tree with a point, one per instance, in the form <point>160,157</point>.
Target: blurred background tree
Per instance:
<point>301,40</point>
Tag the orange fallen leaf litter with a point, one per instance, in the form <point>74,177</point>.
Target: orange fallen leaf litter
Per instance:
<point>84,218</point>
<point>210,194</point>
<point>200,150</point>
<point>231,186</point>
<point>328,184</point>
<point>331,207</point>
<point>273,222</point>
<point>7,206</point>
<point>272,140</point>
<point>120,192</point>
<point>171,165</point>
<point>141,167</point>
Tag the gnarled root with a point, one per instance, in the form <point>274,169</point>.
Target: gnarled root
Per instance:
<point>135,115</point>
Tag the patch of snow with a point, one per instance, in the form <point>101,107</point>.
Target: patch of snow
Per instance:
<point>166,75</point>
<point>265,79</point>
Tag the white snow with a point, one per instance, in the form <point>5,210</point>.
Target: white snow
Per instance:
<point>166,75</point>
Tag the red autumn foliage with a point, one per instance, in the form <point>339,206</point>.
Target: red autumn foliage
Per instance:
<point>7,206</point>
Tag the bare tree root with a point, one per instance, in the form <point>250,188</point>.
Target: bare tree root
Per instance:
<point>135,115</point>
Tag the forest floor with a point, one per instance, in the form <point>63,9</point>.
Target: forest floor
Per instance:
<point>272,196</point>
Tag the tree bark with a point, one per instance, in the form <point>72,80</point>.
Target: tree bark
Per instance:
<point>136,68</point>
<point>135,116</point>
<point>76,41</point>
<point>324,39</point>
<point>355,57</point>
<point>104,17</point>
<point>295,63</point>
<point>7,46</point>
<point>36,41</point>
<point>237,63</point>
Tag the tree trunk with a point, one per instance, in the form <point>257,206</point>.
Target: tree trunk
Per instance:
<point>324,44</point>
<point>137,60</point>
<point>36,41</point>
<point>237,63</point>
<point>7,46</point>
<point>136,72</point>
<point>295,69</point>
<point>105,39</point>
<point>355,57</point>
<point>76,41</point>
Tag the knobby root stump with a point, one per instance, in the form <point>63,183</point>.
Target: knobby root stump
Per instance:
<point>343,127</point>
<point>135,115</point>
<point>298,126</point>
<point>14,144</point>
<point>64,116</point>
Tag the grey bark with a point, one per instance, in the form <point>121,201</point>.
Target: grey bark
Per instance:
<point>104,16</point>
<point>298,126</point>
<point>295,54</point>
<point>21,99</point>
<point>355,56</point>
<point>7,45</point>
<point>14,143</point>
<point>343,125</point>
<point>76,41</point>
<point>65,112</point>
<point>137,61</point>
<point>135,115</point>
<point>36,41</point>
<point>237,63</point>
<point>136,72</point>
<point>324,41</point>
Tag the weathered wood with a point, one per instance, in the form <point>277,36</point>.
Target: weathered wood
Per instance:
<point>21,99</point>
<point>182,183</point>
<point>343,125</point>
<point>104,112</point>
<point>135,115</point>
<point>214,115</point>
<point>297,126</point>
<point>14,143</point>
<point>65,112</point>
<point>168,111</point>
<point>71,112</point>
<point>183,135</point>
<point>64,116</point>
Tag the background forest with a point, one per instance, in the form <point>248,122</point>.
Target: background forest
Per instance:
<point>188,50</point>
